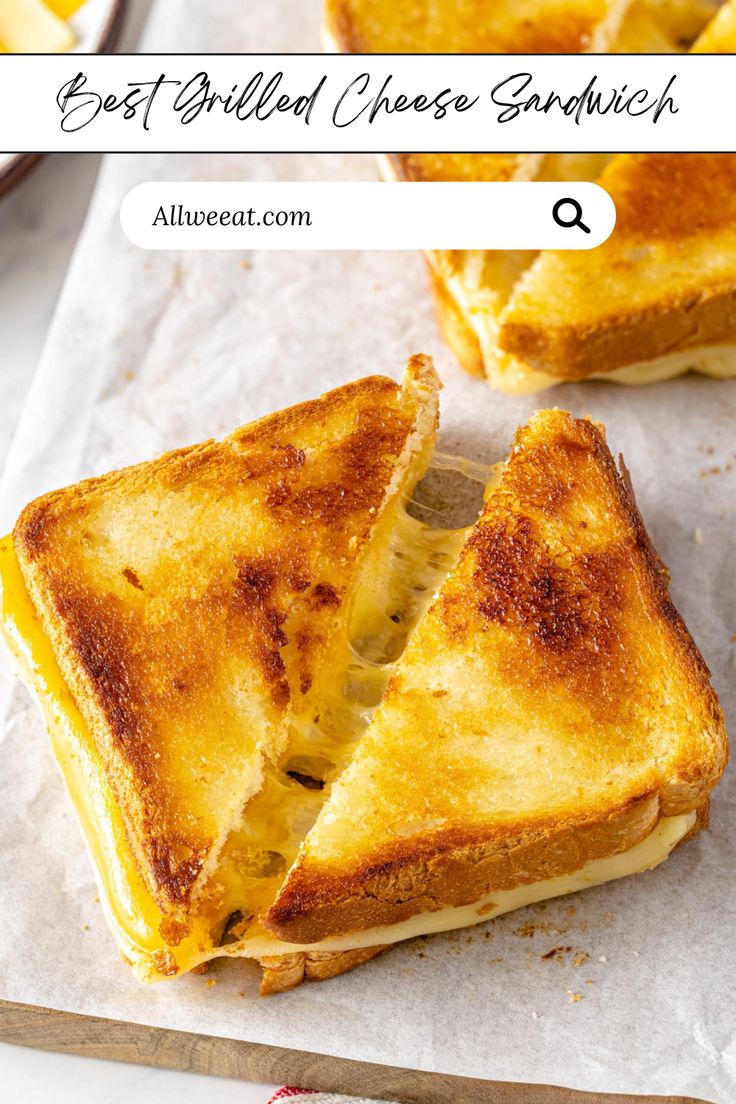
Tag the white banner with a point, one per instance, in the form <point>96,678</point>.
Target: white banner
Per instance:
<point>367,103</point>
<point>360,215</point>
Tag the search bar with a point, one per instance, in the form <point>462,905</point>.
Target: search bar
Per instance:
<point>366,215</point>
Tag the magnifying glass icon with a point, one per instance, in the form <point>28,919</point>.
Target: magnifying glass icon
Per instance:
<point>577,217</point>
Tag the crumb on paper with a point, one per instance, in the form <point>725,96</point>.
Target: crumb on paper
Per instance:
<point>535,1015</point>
<point>574,997</point>
<point>602,958</point>
<point>581,958</point>
<point>211,982</point>
<point>637,954</point>
<point>557,953</point>
<point>246,266</point>
<point>85,927</point>
<point>698,535</point>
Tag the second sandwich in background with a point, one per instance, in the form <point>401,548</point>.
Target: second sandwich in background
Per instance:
<point>658,299</point>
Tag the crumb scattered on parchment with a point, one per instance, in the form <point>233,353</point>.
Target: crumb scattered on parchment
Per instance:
<point>637,954</point>
<point>97,899</point>
<point>245,265</point>
<point>241,993</point>
<point>581,957</point>
<point>557,952</point>
<point>211,981</point>
<point>85,927</point>
<point>574,997</point>
<point>602,958</point>
<point>733,638</point>
<point>532,928</point>
<point>698,535</point>
<point>535,1015</point>
<point>588,981</point>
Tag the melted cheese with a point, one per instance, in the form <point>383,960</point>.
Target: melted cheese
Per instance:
<point>279,818</point>
<point>258,853</point>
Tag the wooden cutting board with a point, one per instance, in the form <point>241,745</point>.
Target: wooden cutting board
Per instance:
<point>68,1033</point>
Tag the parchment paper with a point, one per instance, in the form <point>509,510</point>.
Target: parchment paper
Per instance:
<point>150,351</point>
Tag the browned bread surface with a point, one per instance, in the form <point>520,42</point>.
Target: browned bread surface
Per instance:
<point>282,972</point>
<point>191,602</point>
<point>550,707</point>
<point>467,26</point>
<point>665,281</point>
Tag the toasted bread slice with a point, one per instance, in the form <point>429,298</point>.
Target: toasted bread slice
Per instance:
<point>472,27</point>
<point>549,710</point>
<point>659,297</point>
<point>656,300</point>
<point>475,26</point>
<point>193,604</point>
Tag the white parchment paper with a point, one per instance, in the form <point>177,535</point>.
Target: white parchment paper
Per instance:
<point>150,351</point>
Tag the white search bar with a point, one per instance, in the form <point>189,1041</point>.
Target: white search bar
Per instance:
<point>366,215</point>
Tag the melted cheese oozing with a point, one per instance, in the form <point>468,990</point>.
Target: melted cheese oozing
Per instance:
<point>258,853</point>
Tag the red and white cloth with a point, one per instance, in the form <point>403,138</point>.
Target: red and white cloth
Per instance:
<point>310,1096</point>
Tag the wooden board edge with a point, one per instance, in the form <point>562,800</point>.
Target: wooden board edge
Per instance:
<point>70,1033</point>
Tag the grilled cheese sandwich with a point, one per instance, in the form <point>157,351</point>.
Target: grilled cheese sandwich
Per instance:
<point>244,906</point>
<point>133,915</point>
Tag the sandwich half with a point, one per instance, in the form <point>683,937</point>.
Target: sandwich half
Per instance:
<point>550,725</point>
<point>659,297</point>
<point>656,300</point>
<point>188,625</point>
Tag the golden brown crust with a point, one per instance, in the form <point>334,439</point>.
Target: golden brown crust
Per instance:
<point>575,709</point>
<point>283,972</point>
<point>448,869</point>
<point>664,282</point>
<point>476,26</point>
<point>190,601</point>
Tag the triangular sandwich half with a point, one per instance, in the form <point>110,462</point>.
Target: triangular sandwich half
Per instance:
<point>656,300</point>
<point>550,725</point>
<point>187,623</point>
